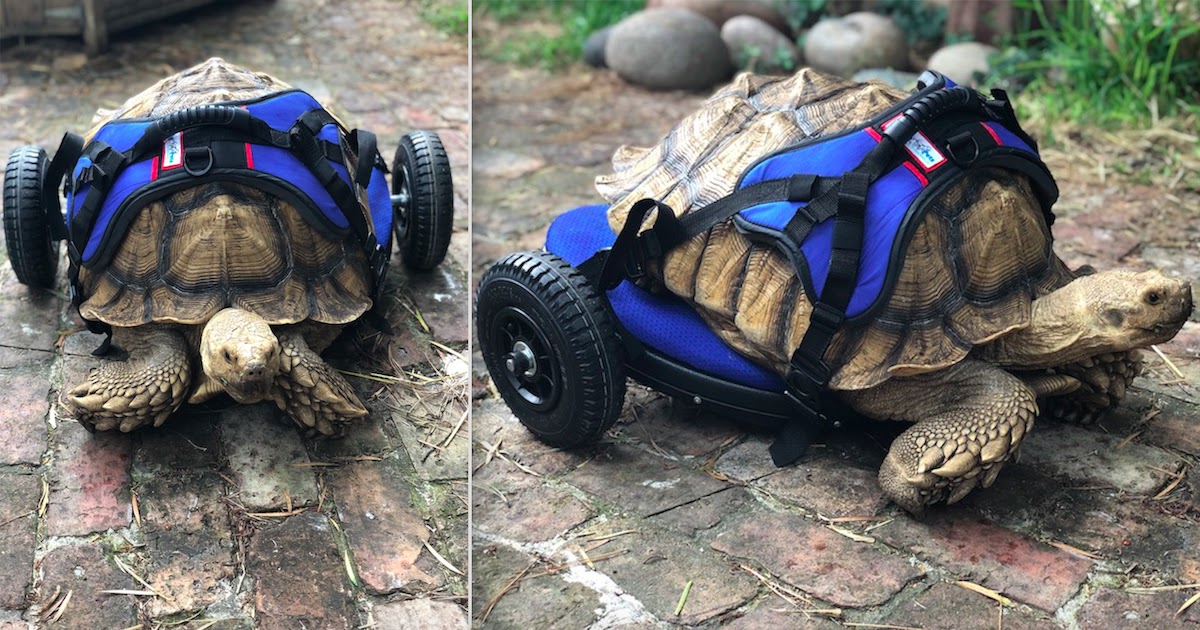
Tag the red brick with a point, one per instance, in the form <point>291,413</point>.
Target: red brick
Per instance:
<point>300,576</point>
<point>542,601</point>
<point>427,614</point>
<point>817,560</point>
<point>23,406</point>
<point>826,484</point>
<point>515,505</point>
<point>658,566</point>
<point>383,528</point>
<point>774,613</point>
<point>1108,608</point>
<point>31,322</point>
<point>266,458</point>
<point>86,571</point>
<point>18,536</point>
<point>975,549</point>
<point>948,605</point>
<point>189,546</point>
<point>89,482</point>
<point>659,421</point>
<point>641,483</point>
<point>442,296</point>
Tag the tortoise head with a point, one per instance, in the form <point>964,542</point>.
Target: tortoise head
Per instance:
<point>1124,310</point>
<point>239,351</point>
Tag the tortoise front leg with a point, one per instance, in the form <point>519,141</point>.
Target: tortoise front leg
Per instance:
<point>970,420</point>
<point>143,389</point>
<point>1104,379</point>
<point>310,391</point>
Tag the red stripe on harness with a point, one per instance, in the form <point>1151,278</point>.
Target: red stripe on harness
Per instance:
<point>154,169</point>
<point>993,134</point>
<point>249,156</point>
<point>916,171</point>
<point>874,134</point>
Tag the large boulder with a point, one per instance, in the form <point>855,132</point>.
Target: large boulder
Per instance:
<point>721,11</point>
<point>757,47</point>
<point>843,46</point>
<point>593,48</point>
<point>668,49</point>
<point>964,62</point>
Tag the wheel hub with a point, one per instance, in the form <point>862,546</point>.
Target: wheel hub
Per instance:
<point>521,360</point>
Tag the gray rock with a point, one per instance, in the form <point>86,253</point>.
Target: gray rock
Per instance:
<point>721,11</point>
<point>758,47</point>
<point>843,46</point>
<point>593,48</point>
<point>963,62</point>
<point>895,78</point>
<point>668,49</point>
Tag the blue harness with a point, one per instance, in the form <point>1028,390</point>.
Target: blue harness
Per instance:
<point>285,144</point>
<point>842,208</point>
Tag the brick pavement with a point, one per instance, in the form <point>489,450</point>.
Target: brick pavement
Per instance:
<point>226,517</point>
<point>1090,530</point>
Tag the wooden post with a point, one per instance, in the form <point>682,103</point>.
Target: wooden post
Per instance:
<point>95,29</point>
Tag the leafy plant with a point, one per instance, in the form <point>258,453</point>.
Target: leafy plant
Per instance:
<point>577,20</point>
<point>920,21</point>
<point>1111,62</point>
<point>448,17</point>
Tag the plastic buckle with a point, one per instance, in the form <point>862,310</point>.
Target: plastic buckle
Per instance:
<point>379,262</point>
<point>646,247</point>
<point>806,381</point>
<point>827,318</point>
<point>192,153</point>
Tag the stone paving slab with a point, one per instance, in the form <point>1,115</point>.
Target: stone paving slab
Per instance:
<point>233,517</point>
<point>1087,514</point>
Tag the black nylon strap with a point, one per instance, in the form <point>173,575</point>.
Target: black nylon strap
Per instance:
<point>69,150</point>
<point>312,155</point>
<point>366,148</point>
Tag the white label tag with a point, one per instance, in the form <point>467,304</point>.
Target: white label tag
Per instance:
<point>921,148</point>
<point>172,154</point>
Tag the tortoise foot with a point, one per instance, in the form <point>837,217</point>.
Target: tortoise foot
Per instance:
<point>1104,381</point>
<point>970,420</point>
<point>141,390</point>
<point>311,392</point>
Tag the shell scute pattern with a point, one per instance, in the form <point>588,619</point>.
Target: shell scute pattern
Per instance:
<point>189,254</point>
<point>973,265</point>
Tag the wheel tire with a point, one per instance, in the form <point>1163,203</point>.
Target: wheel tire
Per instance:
<point>422,170</point>
<point>32,249</point>
<point>577,384</point>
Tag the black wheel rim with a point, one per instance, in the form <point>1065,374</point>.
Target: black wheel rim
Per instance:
<point>402,185</point>
<point>526,358</point>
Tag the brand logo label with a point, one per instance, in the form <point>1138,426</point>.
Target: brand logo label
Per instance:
<point>172,154</point>
<point>921,149</point>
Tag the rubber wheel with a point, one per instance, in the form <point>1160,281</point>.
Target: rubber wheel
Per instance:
<point>421,171</point>
<point>547,338</point>
<point>32,250</point>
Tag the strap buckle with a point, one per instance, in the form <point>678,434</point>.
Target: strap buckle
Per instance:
<point>806,381</point>
<point>190,157</point>
<point>646,247</point>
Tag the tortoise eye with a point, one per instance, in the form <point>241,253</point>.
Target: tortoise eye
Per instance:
<point>1153,297</point>
<point>228,357</point>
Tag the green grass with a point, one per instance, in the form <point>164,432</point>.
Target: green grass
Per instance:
<point>557,49</point>
<point>1119,72</point>
<point>450,17</point>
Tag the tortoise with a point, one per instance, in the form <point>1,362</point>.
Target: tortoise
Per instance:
<point>984,320</point>
<point>223,287</point>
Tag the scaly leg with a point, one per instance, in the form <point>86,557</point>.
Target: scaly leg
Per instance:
<point>970,420</point>
<point>145,388</point>
<point>1104,380</point>
<point>311,391</point>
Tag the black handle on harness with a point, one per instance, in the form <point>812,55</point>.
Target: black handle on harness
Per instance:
<point>198,116</point>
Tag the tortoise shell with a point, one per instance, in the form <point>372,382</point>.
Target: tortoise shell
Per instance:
<point>194,252</point>
<point>979,257</point>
